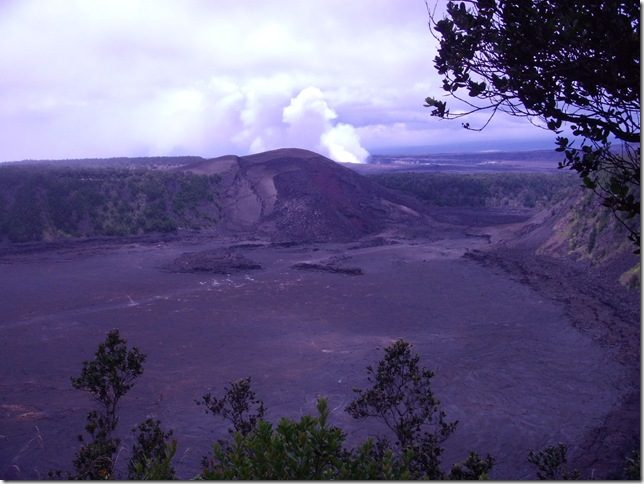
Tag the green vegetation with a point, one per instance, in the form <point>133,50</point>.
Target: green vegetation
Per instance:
<point>551,463</point>
<point>152,453</point>
<point>239,406</point>
<point>560,63</point>
<point>632,469</point>
<point>311,449</point>
<point>108,377</point>
<point>492,190</point>
<point>402,398</point>
<point>45,202</point>
<point>587,231</point>
<point>308,448</point>
<point>585,228</point>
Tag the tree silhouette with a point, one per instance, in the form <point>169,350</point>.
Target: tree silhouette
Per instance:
<point>401,396</point>
<point>574,64</point>
<point>108,377</point>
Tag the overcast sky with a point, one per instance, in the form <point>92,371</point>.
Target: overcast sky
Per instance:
<point>154,78</point>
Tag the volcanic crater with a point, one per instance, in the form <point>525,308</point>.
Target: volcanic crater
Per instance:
<point>312,270</point>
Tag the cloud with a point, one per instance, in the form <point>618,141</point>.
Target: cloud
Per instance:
<point>310,121</point>
<point>273,119</point>
<point>142,77</point>
<point>309,102</point>
<point>307,118</point>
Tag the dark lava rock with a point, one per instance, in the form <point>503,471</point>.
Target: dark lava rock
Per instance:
<point>306,266</point>
<point>214,261</point>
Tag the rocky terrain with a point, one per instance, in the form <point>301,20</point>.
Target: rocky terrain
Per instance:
<point>308,272</point>
<point>297,195</point>
<point>212,261</point>
<point>335,265</point>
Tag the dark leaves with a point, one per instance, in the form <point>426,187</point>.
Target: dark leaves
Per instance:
<point>152,453</point>
<point>551,463</point>
<point>108,377</point>
<point>439,107</point>
<point>476,88</point>
<point>560,62</point>
<point>112,372</point>
<point>401,396</point>
<point>239,405</point>
<point>474,468</point>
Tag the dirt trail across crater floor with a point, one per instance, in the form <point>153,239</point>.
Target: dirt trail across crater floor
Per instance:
<point>511,363</point>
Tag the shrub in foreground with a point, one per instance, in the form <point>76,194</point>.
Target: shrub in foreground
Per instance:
<point>310,448</point>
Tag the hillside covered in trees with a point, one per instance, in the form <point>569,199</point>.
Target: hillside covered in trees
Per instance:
<point>568,222</point>
<point>48,203</point>
<point>89,198</point>
<point>491,190</point>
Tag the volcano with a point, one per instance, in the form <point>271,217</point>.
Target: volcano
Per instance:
<point>297,195</point>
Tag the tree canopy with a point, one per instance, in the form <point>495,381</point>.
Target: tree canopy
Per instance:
<point>560,64</point>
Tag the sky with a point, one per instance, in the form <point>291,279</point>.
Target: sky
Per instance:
<point>108,78</point>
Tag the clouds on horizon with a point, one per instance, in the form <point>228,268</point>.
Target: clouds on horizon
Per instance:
<point>141,77</point>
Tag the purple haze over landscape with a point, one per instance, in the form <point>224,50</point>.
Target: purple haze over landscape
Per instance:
<point>154,78</point>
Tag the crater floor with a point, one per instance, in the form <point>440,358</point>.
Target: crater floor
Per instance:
<point>509,365</point>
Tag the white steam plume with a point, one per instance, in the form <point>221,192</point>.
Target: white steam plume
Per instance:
<point>273,118</point>
<point>310,125</point>
<point>343,144</point>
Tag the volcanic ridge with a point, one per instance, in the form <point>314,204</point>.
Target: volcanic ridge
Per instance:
<point>298,195</point>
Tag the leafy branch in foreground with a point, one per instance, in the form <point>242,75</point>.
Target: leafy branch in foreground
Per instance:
<point>558,64</point>
<point>474,468</point>
<point>312,449</point>
<point>308,449</point>
<point>108,377</point>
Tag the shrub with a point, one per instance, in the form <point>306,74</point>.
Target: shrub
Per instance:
<point>308,449</point>
<point>152,453</point>
<point>401,396</point>
<point>108,377</point>
<point>239,406</point>
<point>551,463</point>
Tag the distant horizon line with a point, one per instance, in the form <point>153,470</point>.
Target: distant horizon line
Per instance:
<point>393,151</point>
